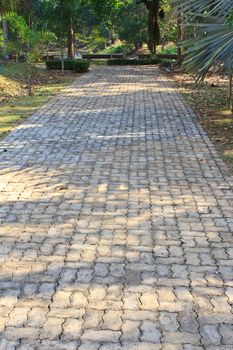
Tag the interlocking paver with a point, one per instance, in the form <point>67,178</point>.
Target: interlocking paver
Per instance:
<point>116,222</point>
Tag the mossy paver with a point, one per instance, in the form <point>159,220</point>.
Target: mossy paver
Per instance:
<point>116,222</point>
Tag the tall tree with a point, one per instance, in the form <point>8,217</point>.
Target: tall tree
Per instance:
<point>62,18</point>
<point>24,40</point>
<point>131,24</point>
<point>153,9</point>
<point>107,8</point>
<point>6,6</point>
<point>52,18</point>
<point>28,9</point>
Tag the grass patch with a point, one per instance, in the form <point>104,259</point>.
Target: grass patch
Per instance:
<point>17,72</point>
<point>15,104</point>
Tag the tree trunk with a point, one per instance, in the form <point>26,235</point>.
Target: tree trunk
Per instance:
<point>5,35</point>
<point>62,59</point>
<point>70,40</point>
<point>230,93</point>
<point>30,79</point>
<point>153,25</point>
<point>5,30</point>
<point>137,46</point>
<point>179,38</point>
<point>30,21</point>
<point>26,9</point>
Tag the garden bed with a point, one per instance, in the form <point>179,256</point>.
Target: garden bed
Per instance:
<point>209,101</point>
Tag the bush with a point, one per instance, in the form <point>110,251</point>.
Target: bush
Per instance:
<point>143,56</point>
<point>165,63</point>
<point>81,66</point>
<point>56,64</point>
<point>169,49</point>
<point>140,62</point>
<point>118,49</point>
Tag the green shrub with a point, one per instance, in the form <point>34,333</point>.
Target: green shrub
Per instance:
<point>56,64</point>
<point>166,63</point>
<point>140,62</point>
<point>81,66</point>
<point>118,49</point>
<point>168,50</point>
<point>144,56</point>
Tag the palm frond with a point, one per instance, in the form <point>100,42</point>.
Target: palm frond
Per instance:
<point>210,39</point>
<point>212,7</point>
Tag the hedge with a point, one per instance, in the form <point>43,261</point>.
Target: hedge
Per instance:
<point>139,62</point>
<point>144,56</point>
<point>79,66</point>
<point>56,64</point>
<point>165,63</point>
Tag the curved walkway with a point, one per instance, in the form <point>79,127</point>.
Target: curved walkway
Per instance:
<point>117,219</point>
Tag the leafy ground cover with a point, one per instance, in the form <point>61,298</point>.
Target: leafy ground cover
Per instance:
<point>119,47</point>
<point>209,102</point>
<point>168,49</point>
<point>15,104</point>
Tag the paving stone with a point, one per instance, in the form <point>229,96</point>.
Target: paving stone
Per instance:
<point>219,347</point>
<point>70,312</point>
<point>52,328</point>
<point>72,329</point>
<point>101,336</point>
<point>131,346</point>
<point>15,333</point>
<point>181,338</point>
<point>130,331</point>
<point>79,300</point>
<point>18,316</point>
<point>61,299</point>
<point>36,317</point>
<point>226,331</point>
<point>93,318</point>
<point>112,320</point>
<point>58,345</point>
<point>131,301</point>
<point>229,294</point>
<point>188,321</point>
<point>140,315</point>
<point>7,344</point>
<point>168,321</point>
<point>89,346</point>
<point>149,301</point>
<point>150,332</point>
<point>210,335</point>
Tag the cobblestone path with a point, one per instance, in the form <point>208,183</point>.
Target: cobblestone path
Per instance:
<point>117,219</point>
